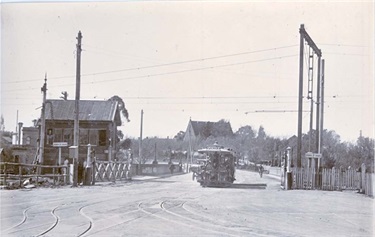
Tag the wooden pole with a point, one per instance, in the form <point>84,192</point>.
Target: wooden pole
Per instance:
<point>140,142</point>
<point>76,111</point>
<point>43,123</point>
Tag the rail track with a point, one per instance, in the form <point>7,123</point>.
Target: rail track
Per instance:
<point>94,212</point>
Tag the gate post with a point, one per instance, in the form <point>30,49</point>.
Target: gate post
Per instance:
<point>93,170</point>
<point>288,178</point>
<point>363,178</point>
<point>88,175</point>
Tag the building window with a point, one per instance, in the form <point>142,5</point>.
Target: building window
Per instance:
<point>93,137</point>
<point>28,140</point>
<point>68,136</point>
<point>58,135</point>
<point>102,137</point>
<point>83,136</point>
<point>49,136</point>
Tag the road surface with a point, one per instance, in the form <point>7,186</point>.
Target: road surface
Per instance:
<point>178,206</point>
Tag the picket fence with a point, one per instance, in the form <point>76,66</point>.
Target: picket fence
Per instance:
<point>332,179</point>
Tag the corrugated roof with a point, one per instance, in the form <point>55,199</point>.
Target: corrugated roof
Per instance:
<point>89,110</point>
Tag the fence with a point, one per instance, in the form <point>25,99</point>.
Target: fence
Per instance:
<point>103,171</point>
<point>18,172</point>
<point>111,171</point>
<point>333,179</point>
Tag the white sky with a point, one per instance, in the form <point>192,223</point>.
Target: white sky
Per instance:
<point>242,57</point>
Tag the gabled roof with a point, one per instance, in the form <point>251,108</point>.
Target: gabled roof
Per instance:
<point>215,129</point>
<point>198,126</point>
<point>6,137</point>
<point>89,110</point>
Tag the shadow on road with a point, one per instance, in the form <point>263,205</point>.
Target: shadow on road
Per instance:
<point>242,186</point>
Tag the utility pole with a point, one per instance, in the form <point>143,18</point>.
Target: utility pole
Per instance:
<point>43,122</point>
<point>140,141</point>
<point>76,111</point>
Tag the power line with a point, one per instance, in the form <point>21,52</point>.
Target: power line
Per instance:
<point>275,111</point>
<point>207,97</point>
<point>161,65</point>
<point>172,72</point>
<point>345,45</point>
<point>347,54</point>
<point>189,61</point>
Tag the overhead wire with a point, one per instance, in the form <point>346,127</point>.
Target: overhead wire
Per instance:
<point>168,73</point>
<point>159,65</point>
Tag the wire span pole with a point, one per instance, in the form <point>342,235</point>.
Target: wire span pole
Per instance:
<point>300,97</point>
<point>318,108</point>
<point>322,109</point>
<point>304,36</point>
<point>76,111</point>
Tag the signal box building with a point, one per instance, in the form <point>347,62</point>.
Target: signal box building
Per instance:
<point>98,121</point>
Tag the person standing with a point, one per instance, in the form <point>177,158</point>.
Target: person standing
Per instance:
<point>261,169</point>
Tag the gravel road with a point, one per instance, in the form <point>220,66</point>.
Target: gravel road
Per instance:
<point>178,206</point>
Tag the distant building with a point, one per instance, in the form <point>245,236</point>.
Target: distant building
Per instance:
<point>30,136</point>
<point>200,130</point>
<point>6,138</point>
<point>98,121</point>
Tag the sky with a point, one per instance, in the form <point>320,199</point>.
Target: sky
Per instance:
<point>198,60</point>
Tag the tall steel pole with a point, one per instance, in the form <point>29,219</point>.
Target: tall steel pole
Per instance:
<point>76,111</point>
<point>317,138</point>
<point>300,96</point>
<point>322,109</point>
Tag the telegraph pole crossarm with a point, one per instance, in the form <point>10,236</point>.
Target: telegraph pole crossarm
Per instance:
<point>309,41</point>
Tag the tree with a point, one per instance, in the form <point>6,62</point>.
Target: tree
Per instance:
<point>2,127</point>
<point>119,136</point>
<point>261,133</point>
<point>121,106</point>
<point>126,144</point>
<point>246,131</point>
<point>362,152</point>
<point>180,136</point>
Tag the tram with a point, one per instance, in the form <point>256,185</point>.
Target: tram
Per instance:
<point>216,168</point>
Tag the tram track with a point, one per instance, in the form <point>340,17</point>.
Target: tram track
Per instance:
<point>203,222</point>
<point>163,209</point>
<point>96,213</point>
<point>21,222</point>
<point>91,222</point>
<point>53,225</point>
